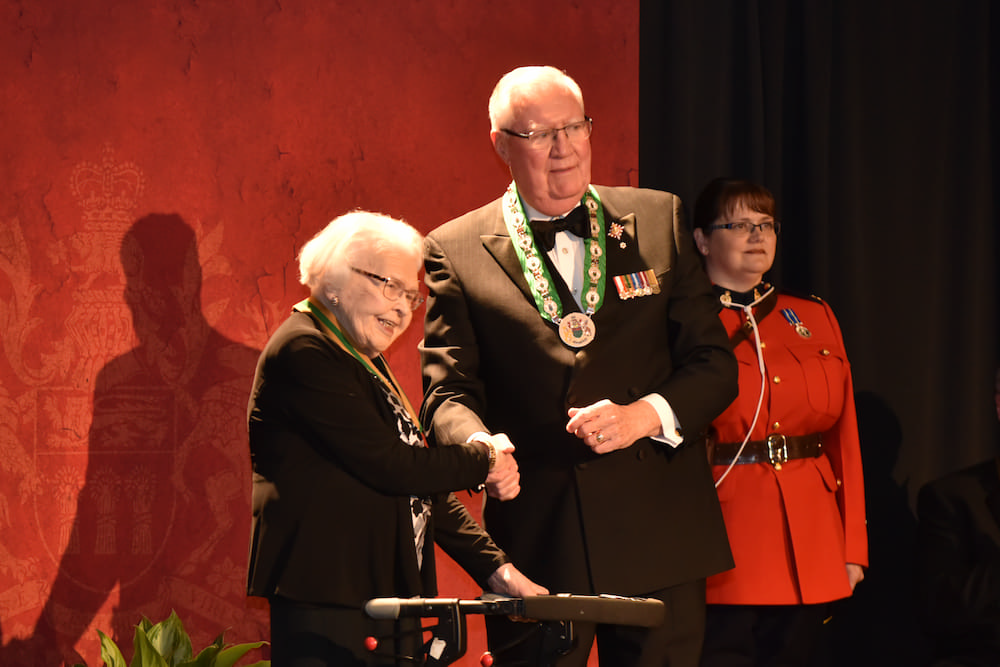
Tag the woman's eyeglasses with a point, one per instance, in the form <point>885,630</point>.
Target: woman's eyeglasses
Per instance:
<point>747,228</point>
<point>392,290</point>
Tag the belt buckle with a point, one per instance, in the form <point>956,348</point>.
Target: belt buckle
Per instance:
<point>777,450</point>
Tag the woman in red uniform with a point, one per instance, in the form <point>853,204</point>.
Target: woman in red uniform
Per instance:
<point>785,454</point>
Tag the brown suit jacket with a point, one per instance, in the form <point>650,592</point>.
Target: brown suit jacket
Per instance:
<point>633,521</point>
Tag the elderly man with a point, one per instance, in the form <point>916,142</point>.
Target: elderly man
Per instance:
<point>592,341</point>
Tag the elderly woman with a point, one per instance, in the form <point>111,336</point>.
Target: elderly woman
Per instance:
<point>785,454</point>
<point>347,499</point>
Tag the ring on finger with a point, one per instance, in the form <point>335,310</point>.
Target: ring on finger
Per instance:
<point>600,437</point>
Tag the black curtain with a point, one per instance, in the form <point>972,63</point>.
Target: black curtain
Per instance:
<point>874,122</point>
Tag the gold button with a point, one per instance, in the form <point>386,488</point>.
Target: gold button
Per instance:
<point>763,345</point>
<point>776,426</point>
<point>839,483</point>
<point>777,380</point>
<point>825,353</point>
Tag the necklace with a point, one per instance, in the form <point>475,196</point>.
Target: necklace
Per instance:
<point>576,329</point>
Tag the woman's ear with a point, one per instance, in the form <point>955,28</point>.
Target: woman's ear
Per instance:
<point>701,241</point>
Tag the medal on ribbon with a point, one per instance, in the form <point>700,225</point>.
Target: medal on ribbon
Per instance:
<point>794,320</point>
<point>378,368</point>
<point>640,283</point>
<point>575,329</point>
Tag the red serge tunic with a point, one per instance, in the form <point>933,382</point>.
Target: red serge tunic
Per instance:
<point>793,530</point>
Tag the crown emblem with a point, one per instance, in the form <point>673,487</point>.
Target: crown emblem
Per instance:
<point>109,191</point>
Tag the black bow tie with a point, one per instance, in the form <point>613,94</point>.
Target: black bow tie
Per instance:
<point>576,221</point>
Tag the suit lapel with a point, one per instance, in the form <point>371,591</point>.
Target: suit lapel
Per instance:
<point>499,245</point>
<point>616,213</point>
<point>622,245</point>
<point>621,236</point>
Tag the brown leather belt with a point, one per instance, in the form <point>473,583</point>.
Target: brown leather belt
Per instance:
<point>775,449</point>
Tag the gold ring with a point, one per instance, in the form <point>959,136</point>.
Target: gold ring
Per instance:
<point>600,437</point>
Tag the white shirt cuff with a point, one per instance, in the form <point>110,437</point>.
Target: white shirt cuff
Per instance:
<point>480,436</point>
<point>671,430</point>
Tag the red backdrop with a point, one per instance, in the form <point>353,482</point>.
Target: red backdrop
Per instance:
<point>162,163</point>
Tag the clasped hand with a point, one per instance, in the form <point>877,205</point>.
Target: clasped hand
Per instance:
<point>504,480</point>
<point>606,426</point>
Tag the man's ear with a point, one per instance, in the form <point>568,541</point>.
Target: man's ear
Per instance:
<point>499,140</point>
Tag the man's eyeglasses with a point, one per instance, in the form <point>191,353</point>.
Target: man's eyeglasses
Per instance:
<point>392,290</point>
<point>747,228</point>
<point>539,139</point>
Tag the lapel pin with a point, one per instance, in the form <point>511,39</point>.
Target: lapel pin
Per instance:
<point>615,232</point>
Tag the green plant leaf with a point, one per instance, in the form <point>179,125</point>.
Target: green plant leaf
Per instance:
<point>232,654</point>
<point>167,644</point>
<point>170,640</point>
<point>110,653</point>
<point>206,657</point>
<point>146,654</point>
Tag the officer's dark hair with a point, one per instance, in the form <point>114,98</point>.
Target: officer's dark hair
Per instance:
<point>722,196</point>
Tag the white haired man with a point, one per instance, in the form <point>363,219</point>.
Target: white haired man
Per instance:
<point>591,338</point>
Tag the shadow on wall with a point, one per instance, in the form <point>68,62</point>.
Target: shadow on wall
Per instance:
<point>878,626</point>
<point>162,517</point>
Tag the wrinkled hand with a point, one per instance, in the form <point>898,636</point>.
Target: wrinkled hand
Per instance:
<point>855,573</point>
<point>606,426</point>
<point>504,481</point>
<point>508,580</point>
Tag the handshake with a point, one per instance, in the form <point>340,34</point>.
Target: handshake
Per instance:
<point>504,480</point>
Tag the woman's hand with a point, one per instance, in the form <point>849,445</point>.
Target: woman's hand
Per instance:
<point>504,479</point>
<point>508,580</point>
<point>855,573</point>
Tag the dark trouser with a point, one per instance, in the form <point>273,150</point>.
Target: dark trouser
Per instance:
<point>675,643</point>
<point>307,635</point>
<point>767,636</point>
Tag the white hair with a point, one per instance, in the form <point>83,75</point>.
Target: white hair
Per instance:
<point>325,260</point>
<point>518,84</point>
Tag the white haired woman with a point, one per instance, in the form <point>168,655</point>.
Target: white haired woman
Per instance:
<point>347,499</point>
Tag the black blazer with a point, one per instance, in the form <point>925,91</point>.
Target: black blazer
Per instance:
<point>629,522</point>
<point>332,482</point>
<point>958,564</point>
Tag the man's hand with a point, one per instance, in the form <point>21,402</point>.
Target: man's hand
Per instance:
<point>504,479</point>
<point>606,426</point>
<point>508,580</point>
